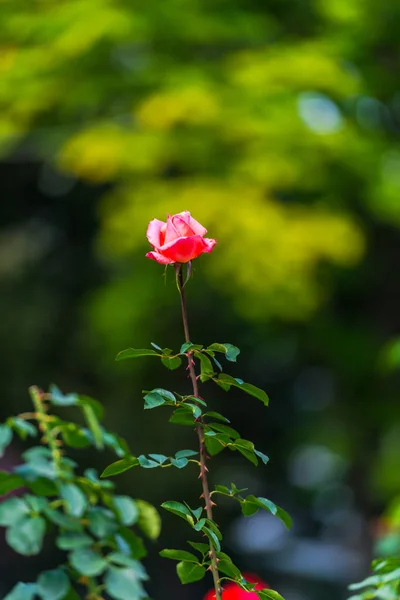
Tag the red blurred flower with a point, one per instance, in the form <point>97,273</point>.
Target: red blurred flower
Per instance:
<point>232,591</point>
<point>179,240</point>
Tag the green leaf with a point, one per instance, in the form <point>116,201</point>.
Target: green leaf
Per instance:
<point>206,368</point>
<point>160,458</point>
<point>188,572</point>
<point>59,399</point>
<point>26,536</point>
<point>124,584</point>
<point>73,541</point>
<point>22,427</point>
<point>232,433</point>
<point>120,466</point>
<point>202,548</point>
<point>43,487</point>
<point>263,457</point>
<point>196,410</point>
<point>9,482</point>
<point>147,463</point>
<point>189,346</point>
<point>177,508</point>
<point>179,555</point>
<point>12,511</point>
<point>22,591</point>
<point>197,512</point>
<point>75,499</point>
<point>122,560</point>
<point>117,443</point>
<point>135,353</point>
<point>173,362</point>
<point>223,489</point>
<point>216,415</point>
<point>74,436</point>
<point>185,453</point>
<point>214,446</point>
<point>251,505</point>
<point>128,512</point>
<point>231,352</point>
<point>167,395</point>
<point>226,381</point>
<point>268,594</point>
<point>37,505</point>
<point>153,399</point>
<point>64,521</point>
<point>149,519</point>
<point>179,463</point>
<point>196,399</point>
<point>246,448</point>
<point>213,538</point>
<point>6,435</point>
<point>53,585</point>
<point>199,525</point>
<point>102,522</point>
<point>91,418</point>
<point>87,562</point>
<point>130,543</point>
<point>182,416</point>
<point>214,527</point>
<point>228,568</point>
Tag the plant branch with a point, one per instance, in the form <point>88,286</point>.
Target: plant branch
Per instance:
<point>43,419</point>
<point>203,455</point>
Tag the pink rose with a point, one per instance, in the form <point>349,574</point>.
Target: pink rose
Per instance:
<point>178,240</point>
<point>232,591</point>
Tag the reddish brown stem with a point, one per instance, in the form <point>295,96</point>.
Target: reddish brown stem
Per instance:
<point>200,434</point>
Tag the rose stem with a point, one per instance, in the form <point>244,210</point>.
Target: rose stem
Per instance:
<point>199,429</point>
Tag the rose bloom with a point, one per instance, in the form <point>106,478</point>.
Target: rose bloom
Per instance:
<point>179,240</point>
<point>234,592</point>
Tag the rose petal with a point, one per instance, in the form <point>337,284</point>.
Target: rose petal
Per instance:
<point>234,592</point>
<point>163,260</point>
<point>209,244</point>
<point>193,224</point>
<point>182,226</point>
<point>153,233</point>
<point>171,232</point>
<point>185,248</point>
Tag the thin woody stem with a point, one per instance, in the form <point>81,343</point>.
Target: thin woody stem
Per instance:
<point>199,429</point>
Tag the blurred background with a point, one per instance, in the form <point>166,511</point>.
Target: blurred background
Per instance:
<point>277,125</point>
